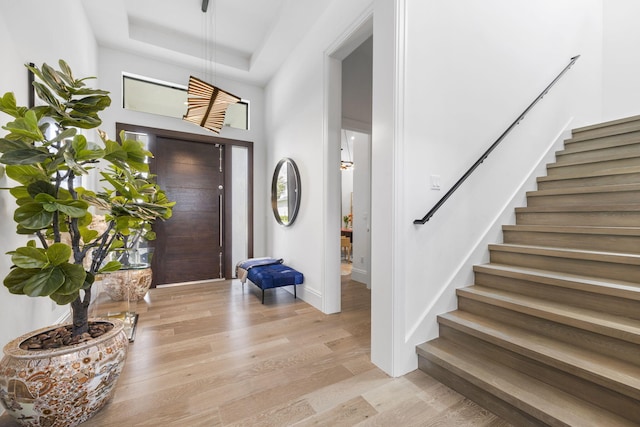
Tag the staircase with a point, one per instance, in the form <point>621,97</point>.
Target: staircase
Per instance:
<point>549,334</point>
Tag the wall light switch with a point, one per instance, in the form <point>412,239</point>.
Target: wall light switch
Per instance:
<point>435,182</point>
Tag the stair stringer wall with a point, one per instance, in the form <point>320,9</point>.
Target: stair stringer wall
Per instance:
<point>426,326</point>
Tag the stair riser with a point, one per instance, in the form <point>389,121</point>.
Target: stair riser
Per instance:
<point>593,242</point>
<point>596,394</point>
<point>477,394</point>
<point>622,151</point>
<point>599,343</point>
<point>586,168</point>
<point>585,144</point>
<point>586,267</point>
<point>605,130</point>
<point>560,294</point>
<point>597,219</point>
<point>629,178</point>
<point>588,199</point>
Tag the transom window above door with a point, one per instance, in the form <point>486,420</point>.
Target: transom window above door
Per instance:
<point>167,99</point>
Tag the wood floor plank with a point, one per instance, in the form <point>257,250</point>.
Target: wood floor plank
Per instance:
<point>212,355</point>
<point>347,414</point>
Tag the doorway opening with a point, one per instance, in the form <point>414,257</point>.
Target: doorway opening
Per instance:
<point>355,232</point>
<point>349,93</point>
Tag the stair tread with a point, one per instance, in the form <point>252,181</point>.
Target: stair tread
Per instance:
<point>584,190</point>
<point>612,373</point>
<point>602,323</point>
<point>576,229</point>
<point>608,123</point>
<point>578,162</point>
<point>615,257</point>
<point>617,288</point>
<point>587,131</point>
<point>582,174</point>
<point>574,146</point>
<point>613,154</point>
<point>531,396</point>
<point>585,208</point>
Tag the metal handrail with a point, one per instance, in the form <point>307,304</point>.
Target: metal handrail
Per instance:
<point>493,146</point>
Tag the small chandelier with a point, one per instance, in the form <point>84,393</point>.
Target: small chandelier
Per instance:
<point>207,104</point>
<point>346,164</point>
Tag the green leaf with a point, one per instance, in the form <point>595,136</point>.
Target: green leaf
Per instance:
<point>81,120</point>
<point>29,257</point>
<point>44,283</point>
<point>42,187</point>
<point>16,279</point>
<point>72,164</point>
<point>26,127</point>
<point>26,174</point>
<point>58,253</point>
<point>74,278</point>
<point>23,231</point>
<point>116,244</point>
<point>8,105</point>
<point>32,216</point>
<point>86,151</point>
<point>90,104</point>
<point>53,80</point>
<point>20,192</point>
<point>62,299</point>
<point>88,235</point>
<point>26,156</point>
<point>67,133</point>
<point>11,145</point>
<point>47,202</point>
<point>110,267</point>
<point>45,94</point>
<point>73,208</point>
<point>66,73</point>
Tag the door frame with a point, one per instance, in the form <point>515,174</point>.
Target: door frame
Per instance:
<point>228,269</point>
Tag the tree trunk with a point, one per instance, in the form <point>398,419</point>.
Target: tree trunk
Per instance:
<point>80,314</point>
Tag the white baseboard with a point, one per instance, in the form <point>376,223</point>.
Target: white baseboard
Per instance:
<point>360,275</point>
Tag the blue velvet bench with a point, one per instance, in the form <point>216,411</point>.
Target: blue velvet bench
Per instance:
<point>268,273</point>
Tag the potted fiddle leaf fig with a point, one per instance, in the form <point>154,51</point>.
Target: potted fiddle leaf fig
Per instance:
<point>46,153</point>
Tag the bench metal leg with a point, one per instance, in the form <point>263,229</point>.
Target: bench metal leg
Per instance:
<point>295,295</point>
<point>263,296</point>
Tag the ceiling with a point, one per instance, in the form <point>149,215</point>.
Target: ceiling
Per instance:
<point>246,40</point>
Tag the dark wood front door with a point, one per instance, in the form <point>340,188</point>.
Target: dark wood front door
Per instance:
<point>190,245</point>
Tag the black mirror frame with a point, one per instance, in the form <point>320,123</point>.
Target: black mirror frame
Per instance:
<point>297,191</point>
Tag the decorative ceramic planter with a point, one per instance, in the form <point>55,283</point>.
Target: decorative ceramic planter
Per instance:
<point>63,386</point>
<point>130,283</point>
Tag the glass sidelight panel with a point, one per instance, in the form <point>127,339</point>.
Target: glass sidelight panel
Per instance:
<point>239,200</point>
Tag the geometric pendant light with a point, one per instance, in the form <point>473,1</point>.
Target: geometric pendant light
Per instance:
<point>207,104</point>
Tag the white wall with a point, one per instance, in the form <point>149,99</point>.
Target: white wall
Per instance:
<point>621,60</point>
<point>356,88</point>
<point>296,123</point>
<point>34,31</point>
<point>466,70</point>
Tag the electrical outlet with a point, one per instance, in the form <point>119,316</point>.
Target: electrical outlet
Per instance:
<point>435,182</point>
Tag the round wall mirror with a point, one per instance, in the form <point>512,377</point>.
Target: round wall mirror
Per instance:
<point>285,192</point>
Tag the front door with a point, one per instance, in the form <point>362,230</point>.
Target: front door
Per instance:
<point>190,245</point>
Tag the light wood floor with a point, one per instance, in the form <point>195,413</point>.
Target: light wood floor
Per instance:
<point>212,355</point>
